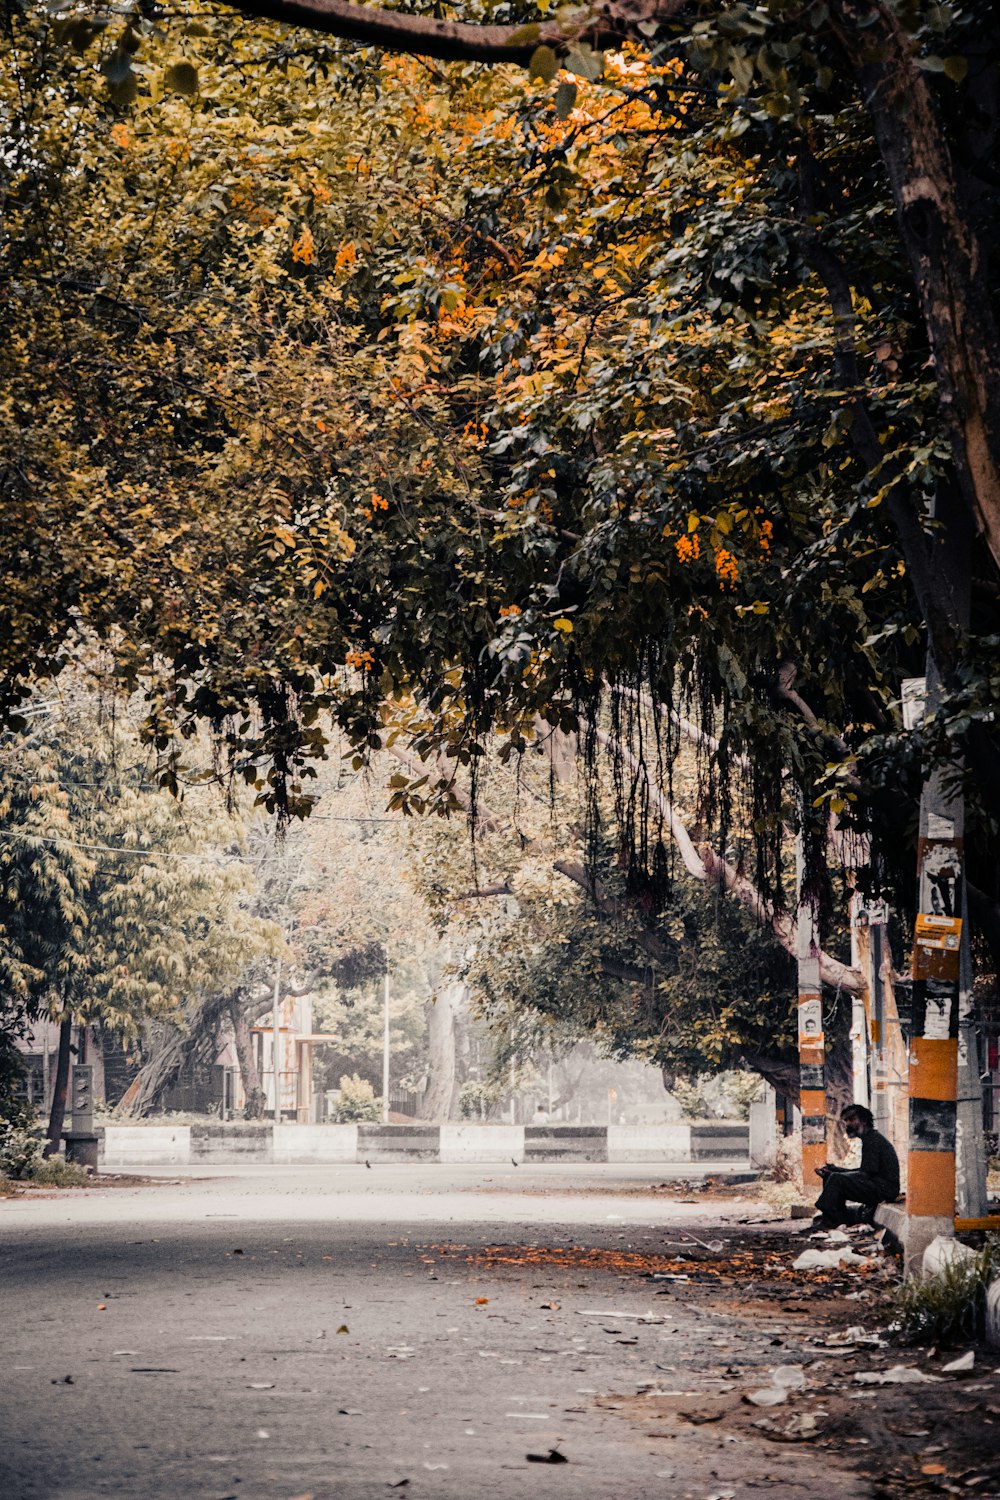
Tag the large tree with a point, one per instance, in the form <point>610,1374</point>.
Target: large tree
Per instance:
<point>605,401</point>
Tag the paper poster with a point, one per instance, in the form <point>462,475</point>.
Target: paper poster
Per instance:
<point>940,865</point>
<point>810,1023</point>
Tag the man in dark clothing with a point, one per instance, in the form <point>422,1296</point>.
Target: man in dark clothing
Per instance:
<point>875,1181</point>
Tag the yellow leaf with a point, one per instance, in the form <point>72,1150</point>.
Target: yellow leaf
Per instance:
<point>563,625</point>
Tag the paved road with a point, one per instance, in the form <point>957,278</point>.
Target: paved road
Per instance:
<point>266,1333</point>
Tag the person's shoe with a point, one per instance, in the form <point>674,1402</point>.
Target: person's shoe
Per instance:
<point>822,1222</point>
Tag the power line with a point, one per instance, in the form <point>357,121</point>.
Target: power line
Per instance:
<point>23,836</point>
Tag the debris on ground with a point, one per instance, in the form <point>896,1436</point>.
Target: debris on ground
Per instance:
<point>944,1252</point>
<point>898,1375</point>
<point>885,1421</point>
<point>826,1260</point>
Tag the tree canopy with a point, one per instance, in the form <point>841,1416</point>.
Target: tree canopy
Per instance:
<point>452,403</point>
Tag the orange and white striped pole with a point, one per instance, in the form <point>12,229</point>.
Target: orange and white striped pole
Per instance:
<point>812,1054</point>
<point>937,943</point>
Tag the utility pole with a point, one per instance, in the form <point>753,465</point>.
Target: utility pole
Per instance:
<point>276,1039</point>
<point>945,1118</point>
<point>812,1055</point>
<point>385,1049</point>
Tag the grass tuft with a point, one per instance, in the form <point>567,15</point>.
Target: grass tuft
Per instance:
<point>949,1308</point>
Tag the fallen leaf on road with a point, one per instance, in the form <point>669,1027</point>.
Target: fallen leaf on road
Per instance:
<point>64,1380</point>
<point>552,1457</point>
<point>550,1306</point>
<point>346,1411</point>
<point>933,1469</point>
<point>261,1385</point>
<point>237,1252</point>
<point>102,1307</point>
<point>343,1328</point>
<point>960,1365</point>
<point>396,1484</point>
<point>481,1301</point>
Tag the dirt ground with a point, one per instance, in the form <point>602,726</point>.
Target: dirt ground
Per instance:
<point>937,1435</point>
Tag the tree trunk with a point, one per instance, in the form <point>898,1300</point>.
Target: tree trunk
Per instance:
<point>439,1100</point>
<point>161,1071</point>
<point>949,264</point>
<point>782,1073</point>
<point>254,1096</point>
<point>57,1114</point>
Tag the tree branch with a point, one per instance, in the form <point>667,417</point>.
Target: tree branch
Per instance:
<point>704,864</point>
<point>461,41</point>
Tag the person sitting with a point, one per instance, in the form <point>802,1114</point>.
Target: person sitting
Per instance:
<point>875,1181</point>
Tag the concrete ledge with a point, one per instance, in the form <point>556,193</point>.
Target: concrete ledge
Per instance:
<point>142,1145</point>
<point>263,1141</point>
<point>496,1143</point>
<point>239,1141</point>
<point>892,1216</point>
<point>305,1143</point>
<point>711,1141</point>
<point>649,1143</point>
<point>389,1143</point>
<point>911,1235</point>
<point>565,1143</point>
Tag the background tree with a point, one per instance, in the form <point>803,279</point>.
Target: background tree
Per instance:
<point>117,906</point>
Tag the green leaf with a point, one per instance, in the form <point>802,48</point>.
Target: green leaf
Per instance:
<point>565,99</point>
<point>525,35</point>
<point>544,64</point>
<point>182,77</point>
<point>585,62</point>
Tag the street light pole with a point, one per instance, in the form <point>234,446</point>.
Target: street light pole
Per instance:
<point>385,1049</point>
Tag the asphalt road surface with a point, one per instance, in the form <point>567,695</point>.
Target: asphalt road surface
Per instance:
<point>280,1333</point>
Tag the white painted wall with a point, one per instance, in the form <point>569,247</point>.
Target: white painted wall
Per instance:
<point>649,1143</point>
<point>497,1143</point>
<point>315,1143</point>
<point>146,1145</point>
